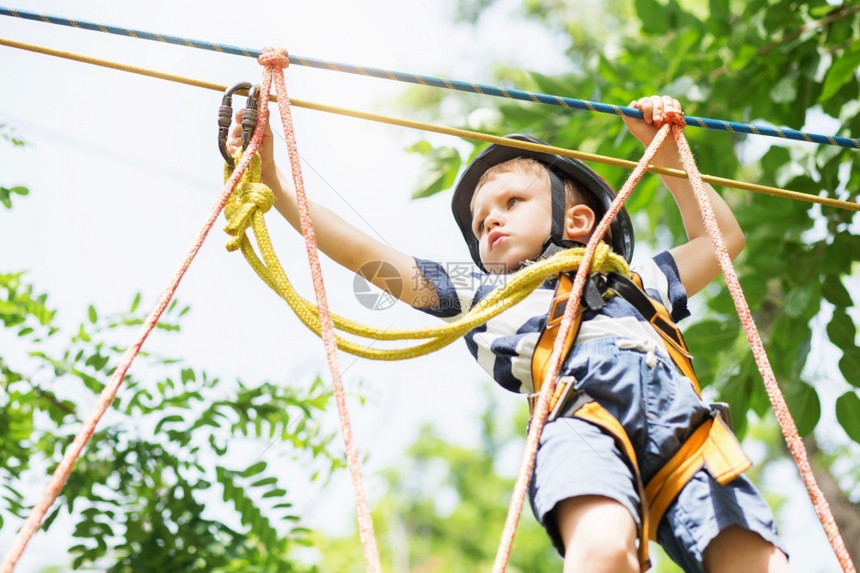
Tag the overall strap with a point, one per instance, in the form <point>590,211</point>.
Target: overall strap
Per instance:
<point>659,318</point>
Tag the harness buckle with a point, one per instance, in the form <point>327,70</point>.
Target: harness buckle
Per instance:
<point>722,410</point>
<point>561,396</point>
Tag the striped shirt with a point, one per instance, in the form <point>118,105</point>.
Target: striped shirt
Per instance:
<point>505,344</point>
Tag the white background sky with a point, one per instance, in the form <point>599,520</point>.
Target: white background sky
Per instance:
<point>124,169</point>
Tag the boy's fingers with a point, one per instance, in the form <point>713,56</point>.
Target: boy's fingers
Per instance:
<point>647,107</point>
<point>658,111</point>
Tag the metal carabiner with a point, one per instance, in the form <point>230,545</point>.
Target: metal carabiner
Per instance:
<point>225,117</point>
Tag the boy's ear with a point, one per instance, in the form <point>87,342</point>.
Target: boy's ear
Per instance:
<point>579,223</point>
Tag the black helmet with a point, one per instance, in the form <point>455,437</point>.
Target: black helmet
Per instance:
<point>586,179</point>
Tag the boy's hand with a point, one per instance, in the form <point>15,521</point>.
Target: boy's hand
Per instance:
<point>655,110</point>
<point>234,143</point>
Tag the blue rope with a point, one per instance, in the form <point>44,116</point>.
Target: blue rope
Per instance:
<point>484,89</point>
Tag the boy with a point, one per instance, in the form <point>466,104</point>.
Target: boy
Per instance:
<point>514,207</point>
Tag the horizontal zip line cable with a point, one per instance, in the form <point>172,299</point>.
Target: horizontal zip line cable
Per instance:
<point>453,131</point>
<point>425,80</point>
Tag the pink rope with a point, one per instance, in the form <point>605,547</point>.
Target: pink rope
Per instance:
<point>64,469</point>
<point>786,422</point>
<point>275,61</point>
<point>557,357</point>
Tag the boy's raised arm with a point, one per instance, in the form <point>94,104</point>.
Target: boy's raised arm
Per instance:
<point>697,264</point>
<point>340,241</point>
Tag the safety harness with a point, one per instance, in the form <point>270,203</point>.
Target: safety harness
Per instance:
<point>712,445</point>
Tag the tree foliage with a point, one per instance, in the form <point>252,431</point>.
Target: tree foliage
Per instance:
<point>143,495</point>
<point>138,495</point>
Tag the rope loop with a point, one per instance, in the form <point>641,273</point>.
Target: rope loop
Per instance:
<point>272,56</point>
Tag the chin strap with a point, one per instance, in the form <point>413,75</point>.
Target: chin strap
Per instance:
<point>558,203</point>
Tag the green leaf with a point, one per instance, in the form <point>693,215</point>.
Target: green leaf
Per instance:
<point>438,172</point>
<point>848,414</point>
<point>171,419</point>
<point>849,365</point>
<point>94,317</point>
<point>135,302</point>
<point>842,71</point>
<point>771,161</point>
<point>719,16</point>
<point>254,469</point>
<point>804,405</point>
<point>841,329</point>
<point>835,292</point>
<point>738,392</point>
<point>265,481</point>
<point>653,16</point>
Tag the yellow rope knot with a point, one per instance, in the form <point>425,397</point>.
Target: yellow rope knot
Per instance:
<point>250,198</point>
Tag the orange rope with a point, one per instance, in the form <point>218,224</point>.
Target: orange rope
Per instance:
<point>64,469</point>
<point>556,358</point>
<point>275,60</point>
<point>786,422</point>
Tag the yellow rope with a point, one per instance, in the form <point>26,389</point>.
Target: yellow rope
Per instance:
<point>463,133</point>
<point>252,199</point>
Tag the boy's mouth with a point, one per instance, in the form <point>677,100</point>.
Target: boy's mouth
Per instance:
<point>495,238</point>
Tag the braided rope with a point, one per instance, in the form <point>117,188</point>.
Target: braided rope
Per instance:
<point>64,469</point>
<point>557,357</point>
<point>274,61</point>
<point>786,422</point>
<point>424,126</point>
<point>444,83</point>
<point>247,207</point>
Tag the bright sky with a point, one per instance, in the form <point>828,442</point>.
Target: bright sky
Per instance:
<point>123,171</point>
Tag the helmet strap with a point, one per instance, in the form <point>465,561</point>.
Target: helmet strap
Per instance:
<point>550,248</point>
<point>558,207</point>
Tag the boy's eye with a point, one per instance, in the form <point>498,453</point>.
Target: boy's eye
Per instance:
<point>479,228</point>
<point>513,201</point>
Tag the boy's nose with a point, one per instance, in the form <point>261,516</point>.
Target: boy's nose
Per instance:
<point>494,219</point>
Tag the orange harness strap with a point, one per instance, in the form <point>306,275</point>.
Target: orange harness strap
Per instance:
<point>596,414</point>
<point>712,446</point>
<point>543,349</point>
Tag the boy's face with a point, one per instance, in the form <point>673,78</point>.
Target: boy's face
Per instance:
<point>511,218</point>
